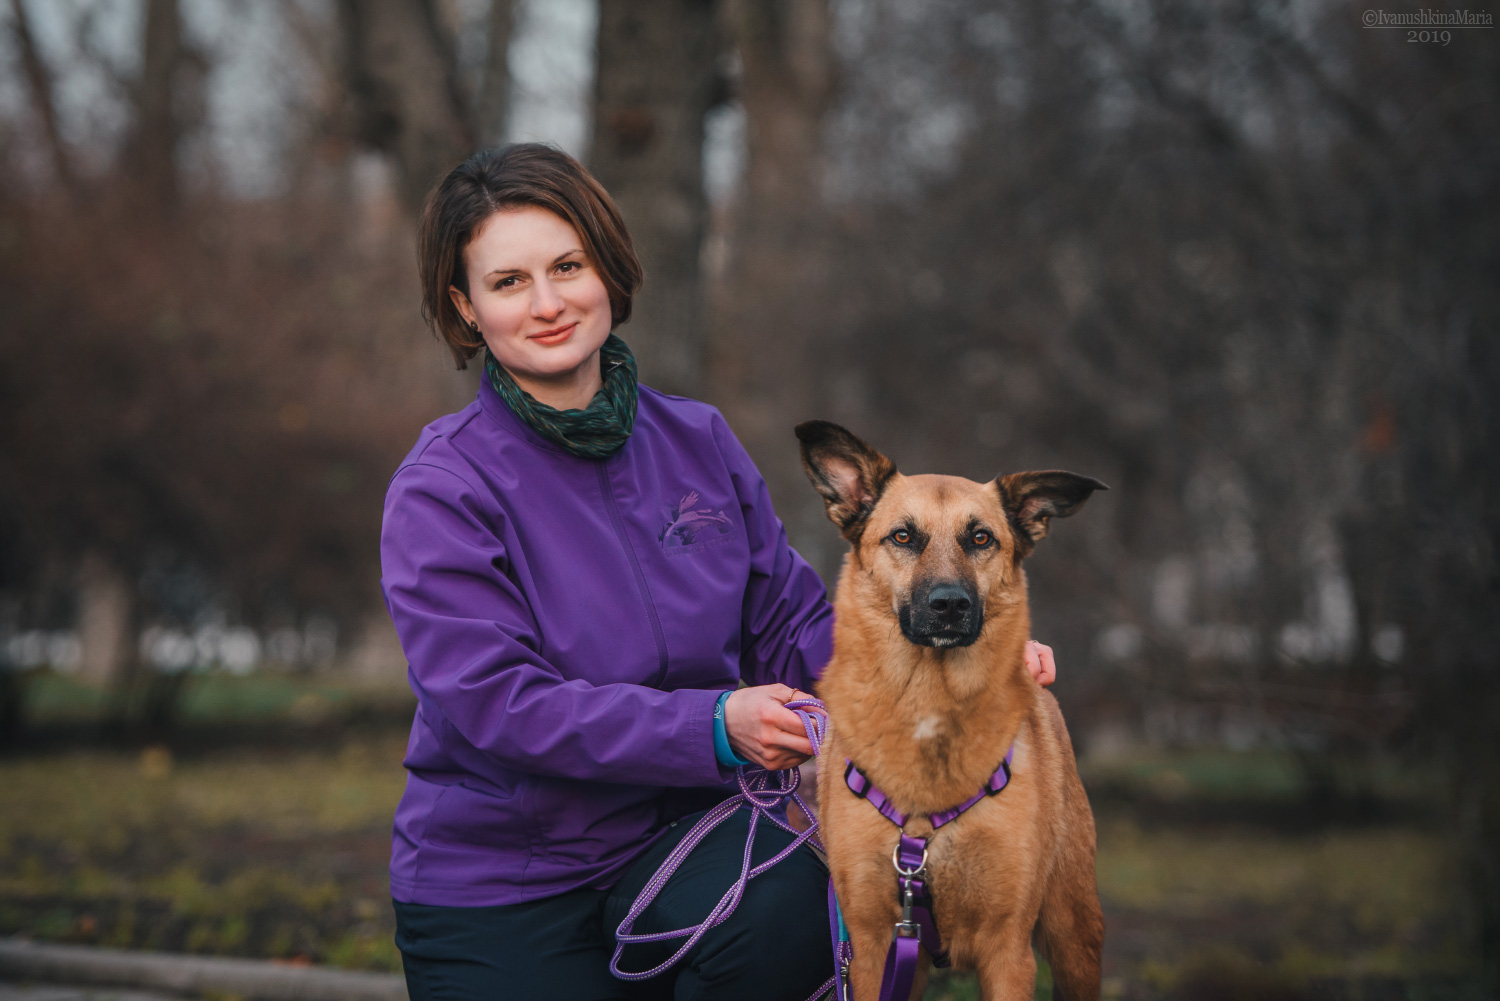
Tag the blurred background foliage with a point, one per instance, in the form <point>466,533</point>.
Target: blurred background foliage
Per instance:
<point>1235,258</point>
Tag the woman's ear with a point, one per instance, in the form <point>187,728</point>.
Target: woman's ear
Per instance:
<point>463,305</point>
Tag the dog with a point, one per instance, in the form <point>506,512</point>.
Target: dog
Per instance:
<point>927,692</point>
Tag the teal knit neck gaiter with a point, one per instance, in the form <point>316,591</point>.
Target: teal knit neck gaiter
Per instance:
<point>596,432</point>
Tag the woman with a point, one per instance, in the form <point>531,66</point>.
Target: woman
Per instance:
<point>581,571</point>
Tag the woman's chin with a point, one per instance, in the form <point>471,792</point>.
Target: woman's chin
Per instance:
<point>553,369</point>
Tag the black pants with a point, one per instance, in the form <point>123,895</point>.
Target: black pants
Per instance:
<point>775,946</point>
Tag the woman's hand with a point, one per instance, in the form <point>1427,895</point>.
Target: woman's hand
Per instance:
<point>1040,663</point>
<point>762,729</point>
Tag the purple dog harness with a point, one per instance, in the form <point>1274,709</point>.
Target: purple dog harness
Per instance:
<point>915,930</point>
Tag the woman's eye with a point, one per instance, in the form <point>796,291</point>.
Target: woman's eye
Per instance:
<point>507,282</point>
<point>568,267</point>
<point>901,536</point>
<point>981,538</point>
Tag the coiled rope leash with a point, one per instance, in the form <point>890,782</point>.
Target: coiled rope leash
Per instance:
<point>763,792</point>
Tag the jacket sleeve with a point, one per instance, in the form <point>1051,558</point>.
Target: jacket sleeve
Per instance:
<point>787,631</point>
<point>472,645</point>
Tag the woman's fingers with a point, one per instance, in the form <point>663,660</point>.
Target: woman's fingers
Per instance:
<point>761,728</point>
<point>1040,662</point>
<point>799,695</point>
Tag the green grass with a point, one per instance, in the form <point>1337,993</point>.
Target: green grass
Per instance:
<point>281,852</point>
<point>218,698</point>
<point>276,853</point>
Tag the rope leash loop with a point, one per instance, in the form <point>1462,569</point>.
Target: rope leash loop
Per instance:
<point>766,794</point>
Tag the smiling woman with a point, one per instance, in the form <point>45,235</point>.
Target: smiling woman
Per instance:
<point>582,570</point>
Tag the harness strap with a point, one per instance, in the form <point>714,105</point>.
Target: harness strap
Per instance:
<point>859,783</point>
<point>998,781</point>
<point>911,857</point>
<point>917,929</point>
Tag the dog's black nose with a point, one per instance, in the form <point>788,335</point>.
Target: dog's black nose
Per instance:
<point>948,615</point>
<point>948,601</point>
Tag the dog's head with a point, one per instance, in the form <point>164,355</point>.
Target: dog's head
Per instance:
<point>939,547</point>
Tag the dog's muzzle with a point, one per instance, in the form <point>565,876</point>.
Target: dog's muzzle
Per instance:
<point>943,615</point>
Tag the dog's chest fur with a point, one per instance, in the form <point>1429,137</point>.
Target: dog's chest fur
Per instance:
<point>929,728</point>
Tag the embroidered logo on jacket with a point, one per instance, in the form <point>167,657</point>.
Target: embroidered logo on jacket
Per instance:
<point>687,523</point>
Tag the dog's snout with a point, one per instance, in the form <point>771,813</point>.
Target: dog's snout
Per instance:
<point>949,600</point>
<point>946,613</point>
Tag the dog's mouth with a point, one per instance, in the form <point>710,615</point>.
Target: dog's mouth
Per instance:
<point>943,640</point>
<point>939,636</point>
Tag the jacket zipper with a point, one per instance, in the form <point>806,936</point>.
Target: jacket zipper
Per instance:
<point>640,578</point>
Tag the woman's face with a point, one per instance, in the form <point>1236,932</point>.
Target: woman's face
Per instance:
<point>539,303</point>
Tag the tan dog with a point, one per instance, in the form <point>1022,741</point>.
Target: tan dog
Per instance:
<point>926,691</point>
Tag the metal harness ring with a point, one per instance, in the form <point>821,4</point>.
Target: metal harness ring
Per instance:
<point>896,861</point>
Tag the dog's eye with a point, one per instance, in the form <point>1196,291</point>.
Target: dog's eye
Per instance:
<point>901,537</point>
<point>981,539</point>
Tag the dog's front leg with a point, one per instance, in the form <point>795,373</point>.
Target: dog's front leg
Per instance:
<point>1008,971</point>
<point>868,963</point>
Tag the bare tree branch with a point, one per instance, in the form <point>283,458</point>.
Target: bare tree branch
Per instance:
<point>39,84</point>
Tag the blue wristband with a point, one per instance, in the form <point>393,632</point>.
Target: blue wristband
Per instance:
<point>722,750</point>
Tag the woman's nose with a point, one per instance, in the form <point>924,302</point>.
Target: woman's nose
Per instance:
<point>545,302</point>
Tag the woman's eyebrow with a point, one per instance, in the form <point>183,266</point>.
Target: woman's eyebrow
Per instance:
<point>517,271</point>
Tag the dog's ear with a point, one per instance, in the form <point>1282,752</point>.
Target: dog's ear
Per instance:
<point>849,474</point>
<point>1032,499</point>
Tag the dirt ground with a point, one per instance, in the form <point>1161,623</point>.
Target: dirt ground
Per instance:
<point>1221,875</point>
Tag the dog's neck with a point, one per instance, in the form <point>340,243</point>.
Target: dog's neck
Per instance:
<point>928,726</point>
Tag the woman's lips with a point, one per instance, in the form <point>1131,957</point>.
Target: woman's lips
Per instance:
<point>554,336</point>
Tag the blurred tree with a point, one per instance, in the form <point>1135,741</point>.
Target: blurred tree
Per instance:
<point>40,89</point>
<point>492,104</point>
<point>776,303</point>
<point>658,75</point>
<point>788,79</point>
<point>167,99</point>
<point>402,80</point>
<point>229,400</point>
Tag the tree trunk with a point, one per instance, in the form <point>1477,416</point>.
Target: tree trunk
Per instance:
<point>787,88</point>
<point>656,80</point>
<point>105,621</point>
<point>492,106</point>
<point>406,102</point>
<point>775,291</point>
<point>167,98</point>
<point>39,83</point>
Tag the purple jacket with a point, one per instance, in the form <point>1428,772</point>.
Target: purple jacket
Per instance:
<point>569,624</point>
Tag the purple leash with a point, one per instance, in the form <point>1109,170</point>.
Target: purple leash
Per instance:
<point>763,792</point>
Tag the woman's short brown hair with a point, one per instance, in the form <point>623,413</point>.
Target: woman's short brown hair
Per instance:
<point>506,177</point>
